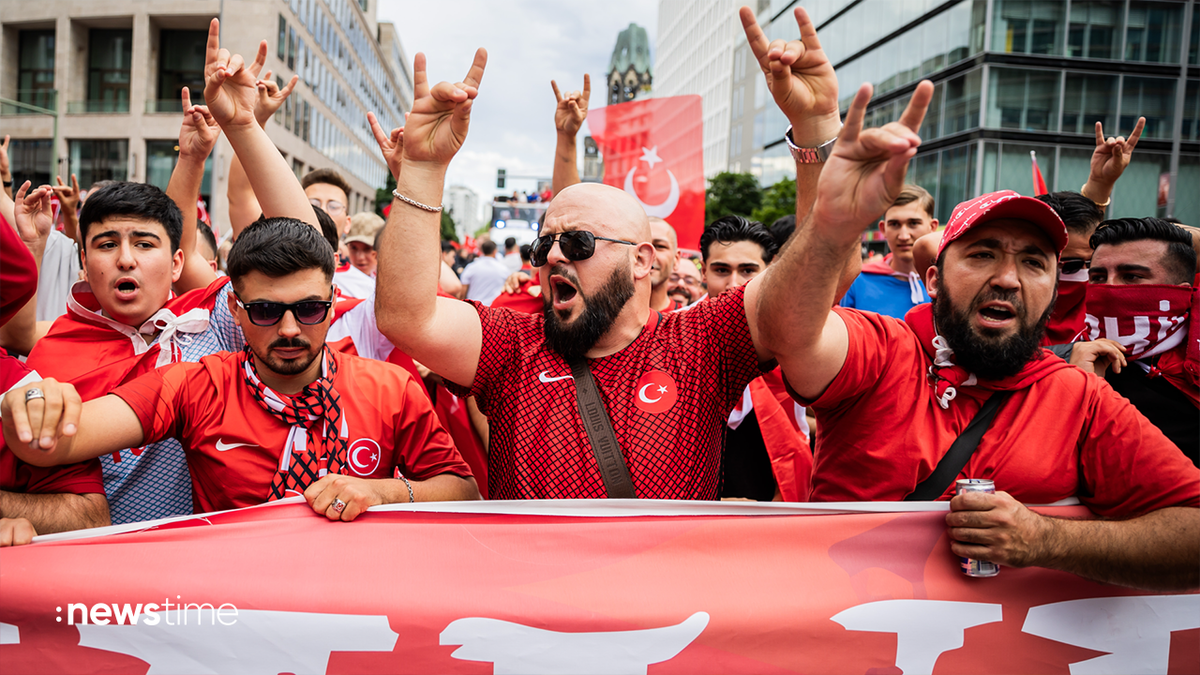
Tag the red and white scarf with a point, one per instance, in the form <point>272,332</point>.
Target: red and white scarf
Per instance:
<point>317,442</point>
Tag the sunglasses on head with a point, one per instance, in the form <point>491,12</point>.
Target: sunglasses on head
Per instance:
<point>575,245</point>
<point>1072,265</point>
<point>307,312</point>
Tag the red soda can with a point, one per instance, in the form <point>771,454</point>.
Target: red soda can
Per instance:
<point>970,566</point>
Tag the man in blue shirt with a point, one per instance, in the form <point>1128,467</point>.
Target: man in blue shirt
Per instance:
<point>893,287</point>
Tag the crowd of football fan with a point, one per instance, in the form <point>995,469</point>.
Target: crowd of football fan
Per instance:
<point>166,375</point>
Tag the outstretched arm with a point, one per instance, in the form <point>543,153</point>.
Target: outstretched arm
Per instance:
<point>443,334</point>
<point>859,182</point>
<point>59,429</point>
<point>243,205</point>
<point>197,136</point>
<point>56,512</point>
<point>1109,160</point>
<point>569,114</point>
<point>1156,551</point>
<point>231,90</point>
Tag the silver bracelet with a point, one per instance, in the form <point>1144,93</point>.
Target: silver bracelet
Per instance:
<point>419,205</point>
<point>411,498</point>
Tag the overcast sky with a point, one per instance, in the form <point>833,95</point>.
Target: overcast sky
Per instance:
<point>529,43</point>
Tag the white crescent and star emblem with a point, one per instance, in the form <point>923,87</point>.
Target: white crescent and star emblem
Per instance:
<point>650,156</point>
<point>364,456</point>
<point>646,399</point>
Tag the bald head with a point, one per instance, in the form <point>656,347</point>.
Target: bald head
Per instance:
<point>661,229</point>
<point>602,209</point>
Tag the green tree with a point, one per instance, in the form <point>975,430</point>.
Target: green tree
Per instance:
<point>448,231</point>
<point>778,201</point>
<point>731,193</point>
<point>383,195</point>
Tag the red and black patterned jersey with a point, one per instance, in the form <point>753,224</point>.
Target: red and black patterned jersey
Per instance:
<point>668,393</point>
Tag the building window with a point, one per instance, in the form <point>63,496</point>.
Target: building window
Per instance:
<point>281,40</point>
<point>161,157</point>
<point>181,64</point>
<point>931,125</point>
<point>291,49</point>
<point>1023,99</point>
<point>1136,194</point>
<point>1152,98</point>
<point>109,56</point>
<point>1154,33</point>
<point>1095,29</point>
<point>35,72</point>
<point>1089,99</point>
<point>97,160</point>
<point>1028,26</point>
<point>29,160</point>
<point>363,4</point>
<point>962,102</point>
<point>957,179</point>
<point>1191,112</point>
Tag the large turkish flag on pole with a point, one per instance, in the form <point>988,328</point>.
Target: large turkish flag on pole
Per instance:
<point>654,150</point>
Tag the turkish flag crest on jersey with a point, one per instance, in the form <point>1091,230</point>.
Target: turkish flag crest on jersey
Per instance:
<point>654,150</point>
<point>655,392</point>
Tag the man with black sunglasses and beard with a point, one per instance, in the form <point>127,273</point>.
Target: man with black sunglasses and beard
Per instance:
<point>285,417</point>
<point>1058,432</point>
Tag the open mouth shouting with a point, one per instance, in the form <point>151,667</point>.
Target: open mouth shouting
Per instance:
<point>997,315</point>
<point>562,292</point>
<point>126,289</point>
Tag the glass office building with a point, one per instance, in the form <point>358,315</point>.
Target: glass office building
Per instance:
<point>1010,76</point>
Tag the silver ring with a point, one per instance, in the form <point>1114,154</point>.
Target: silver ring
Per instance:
<point>32,393</point>
<point>339,505</point>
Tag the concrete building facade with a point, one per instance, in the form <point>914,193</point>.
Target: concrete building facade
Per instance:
<point>1010,76</point>
<point>106,76</point>
<point>694,55</point>
<point>463,206</point>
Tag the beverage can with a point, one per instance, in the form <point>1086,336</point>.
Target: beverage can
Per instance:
<point>970,566</point>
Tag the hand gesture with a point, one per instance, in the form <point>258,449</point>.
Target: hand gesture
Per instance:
<point>865,173</point>
<point>199,132</point>
<point>572,109</point>
<point>437,125</point>
<point>391,145</point>
<point>270,97</point>
<point>1098,356</point>
<point>800,78</point>
<point>230,85</point>
<point>41,422</point>
<point>355,494</point>
<point>1112,155</point>
<point>16,532</point>
<point>34,215</point>
<point>68,195</point>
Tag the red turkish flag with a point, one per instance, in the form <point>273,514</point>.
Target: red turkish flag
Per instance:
<point>654,149</point>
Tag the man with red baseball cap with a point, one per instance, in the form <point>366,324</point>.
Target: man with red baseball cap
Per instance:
<point>1056,432</point>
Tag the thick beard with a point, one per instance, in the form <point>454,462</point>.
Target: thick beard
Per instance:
<point>290,367</point>
<point>573,340</point>
<point>989,357</point>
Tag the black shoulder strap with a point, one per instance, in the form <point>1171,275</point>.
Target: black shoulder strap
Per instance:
<point>947,470</point>
<point>600,432</point>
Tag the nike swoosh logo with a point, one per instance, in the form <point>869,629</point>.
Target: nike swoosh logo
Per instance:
<point>544,379</point>
<point>222,446</point>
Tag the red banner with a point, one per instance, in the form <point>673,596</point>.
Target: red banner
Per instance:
<point>567,587</point>
<point>654,150</point>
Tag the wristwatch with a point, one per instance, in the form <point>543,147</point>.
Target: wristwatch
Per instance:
<point>816,155</point>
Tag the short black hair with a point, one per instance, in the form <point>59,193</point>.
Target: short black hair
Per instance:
<point>447,247</point>
<point>329,229</point>
<point>328,177</point>
<point>1078,213</point>
<point>524,252</point>
<point>728,229</point>
<point>510,243</point>
<point>1180,259</point>
<point>487,247</point>
<point>278,247</point>
<point>210,239</point>
<point>139,201</point>
<point>782,229</point>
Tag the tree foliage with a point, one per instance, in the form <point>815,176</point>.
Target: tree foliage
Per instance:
<point>731,193</point>
<point>778,201</point>
<point>448,229</point>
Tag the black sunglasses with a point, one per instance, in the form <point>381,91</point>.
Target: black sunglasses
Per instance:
<point>576,245</point>
<point>1073,265</point>
<point>307,312</point>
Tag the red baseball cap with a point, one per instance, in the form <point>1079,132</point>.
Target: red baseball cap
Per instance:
<point>1004,204</point>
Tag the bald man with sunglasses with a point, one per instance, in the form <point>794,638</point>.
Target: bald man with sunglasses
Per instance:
<point>665,382</point>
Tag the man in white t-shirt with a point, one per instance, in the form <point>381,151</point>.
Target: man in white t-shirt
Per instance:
<point>484,278</point>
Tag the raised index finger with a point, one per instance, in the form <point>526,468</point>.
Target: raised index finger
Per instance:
<point>808,30</point>
<point>587,87</point>
<point>1137,133</point>
<point>557,95</point>
<point>475,74</point>
<point>754,35</point>
<point>914,113</point>
<point>1099,133</point>
<point>214,42</point>
<point>420,81</point>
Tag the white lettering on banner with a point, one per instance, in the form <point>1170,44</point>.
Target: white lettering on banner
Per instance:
<point>1135,630</point>
<point>9,634</point>
<point>924,628</point>
<point>1136,342</point>
<point>262,642</point>
<point>513,648</point>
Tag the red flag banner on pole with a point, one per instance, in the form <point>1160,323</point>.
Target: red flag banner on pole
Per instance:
<point>567,587</point>
<point>654,150</point>
<point>1039,183</point>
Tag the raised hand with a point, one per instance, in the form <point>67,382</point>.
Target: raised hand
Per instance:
<point>571,109</point>
<point>800,78</point>
<point>270,97</point>
<point>68,195</point>
<point>33,215</point>
<point>865,173</point>
<point>1109,160</point>
<point>230,85</point>
<point>437,125</point>
<point>391,145</point>
<point>199,131</point>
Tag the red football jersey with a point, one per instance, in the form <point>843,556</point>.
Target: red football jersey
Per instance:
<point>234,445</point>
<point>668,394</point>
